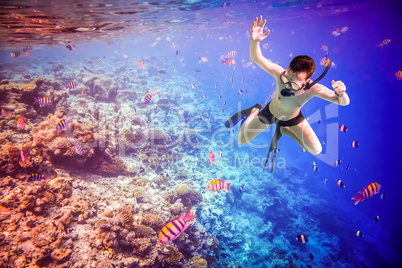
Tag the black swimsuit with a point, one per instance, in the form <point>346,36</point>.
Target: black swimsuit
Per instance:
<point>267,117</point>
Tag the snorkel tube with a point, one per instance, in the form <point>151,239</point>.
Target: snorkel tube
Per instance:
<point>327,65</point>
<point>287,93</point>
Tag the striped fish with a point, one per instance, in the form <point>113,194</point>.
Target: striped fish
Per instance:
<point>216,184</point>
<point>371,189</point>
<point>21,122</point>
<point>24,154</point>
<point>35,177</point>
<point>43,101</point>
<point>147,99</point>
<point>154,92</point>
<point>63,124</point>
<point>78,149</point>
<point>71,85</point>
<point>174,228</point>
<point>384,43</point>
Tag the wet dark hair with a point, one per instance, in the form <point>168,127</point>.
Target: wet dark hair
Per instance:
<point>303,63</point>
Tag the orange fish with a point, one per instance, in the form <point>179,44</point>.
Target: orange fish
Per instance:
<point>371,189</point>
<point>228,61</point>
<point>216,184</point>
<point>211,157</point>
<point>4,212</point>
<point>398,75</point>
<point>24,154</point>
<point>21,122</point>
<point>141,63</point>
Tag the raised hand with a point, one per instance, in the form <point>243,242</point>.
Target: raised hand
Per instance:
<point>339,87</point>
<point>257,30</point>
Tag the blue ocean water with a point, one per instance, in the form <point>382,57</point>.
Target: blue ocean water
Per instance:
<point>253,226</point>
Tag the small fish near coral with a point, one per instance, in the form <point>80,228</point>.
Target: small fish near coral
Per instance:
<point>71,85</point>
<point>43,101</point>
<point>302,238</point>
<point>63,124</point>
<point>371,190</point>
<point>24,154</point>
<point>21,122</point>
<point>35,177</point>
<point>211,158</point>
<point>216,184</point>
<point>174,228</point>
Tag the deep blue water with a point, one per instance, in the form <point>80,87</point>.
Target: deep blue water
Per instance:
<point>301,201</point>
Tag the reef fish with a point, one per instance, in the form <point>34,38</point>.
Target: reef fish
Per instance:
<point>70,47</point>
<point>63,124</point>
<point>147,99</point>
<point>371,190</point>
<point>384,43</point>
<point>4,112</point>
<point>216,184</point>
<point>71,85</point>
<point>228,61</point>
<point>141,63</point>
<point>27,48</point>
<point>203,59</point>
<point>174,228</point>
<point>211,157</point>
<point>78,149</point>
<point>302,238</point>
<point>359,233</point>
<point>377,218</point>
<point>240,189</point>
<point>21,122</point>
<point>26,76</point>
<point>43,101</point>
<point>398,75</point>
<point>315,168</point>
<point>35,177</point>
<point>340,183</point>
<point>15,54</point>
<point>355,144</point>
<point>4,213</point>
<point>337,162</point>
<point>24,154</point>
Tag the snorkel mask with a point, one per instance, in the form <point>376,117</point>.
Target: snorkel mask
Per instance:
<point>287,92</point>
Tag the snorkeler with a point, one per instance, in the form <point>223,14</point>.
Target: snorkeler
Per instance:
<point>293,89</point>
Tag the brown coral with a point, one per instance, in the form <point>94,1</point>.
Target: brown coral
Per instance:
<point>60,254</point>
<point>144,231</point>
<point>173,256</point>
<point>141,246</point>
<point>198,262</point>
<point>125,218</point>
<point>152,220</point>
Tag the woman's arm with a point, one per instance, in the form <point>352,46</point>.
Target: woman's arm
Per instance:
<point>256,36</point>
<point>338,95</point>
